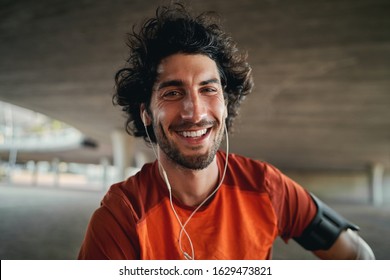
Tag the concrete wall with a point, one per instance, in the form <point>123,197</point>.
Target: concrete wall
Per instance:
<point>347,186</point>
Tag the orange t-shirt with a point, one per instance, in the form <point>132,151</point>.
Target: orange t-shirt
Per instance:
<point>255,204</point>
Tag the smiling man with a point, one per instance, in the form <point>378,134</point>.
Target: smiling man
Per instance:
<point>181,90</point>
<point>188,110</point>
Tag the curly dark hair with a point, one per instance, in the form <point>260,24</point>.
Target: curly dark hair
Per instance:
<point>174,30</point>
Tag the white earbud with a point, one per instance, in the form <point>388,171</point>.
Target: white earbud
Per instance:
<point>144,117</point>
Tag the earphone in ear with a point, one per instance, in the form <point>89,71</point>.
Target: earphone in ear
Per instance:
<point>144,117</point>
<point>226,112</point>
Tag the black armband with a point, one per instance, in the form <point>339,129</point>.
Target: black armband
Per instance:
<point>324,229</point>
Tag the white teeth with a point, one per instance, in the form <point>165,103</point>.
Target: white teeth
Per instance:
<point>197,133</point>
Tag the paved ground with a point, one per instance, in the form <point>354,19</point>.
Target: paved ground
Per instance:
<point>44,223</point>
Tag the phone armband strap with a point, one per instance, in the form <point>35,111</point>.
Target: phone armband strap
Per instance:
<point>324,229</point>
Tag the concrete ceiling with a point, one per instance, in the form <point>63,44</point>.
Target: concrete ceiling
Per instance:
<point>321,68</point>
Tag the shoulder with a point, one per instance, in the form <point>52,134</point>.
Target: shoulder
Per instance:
<point>136,195</point>
<point>245,171</point>
<point>259,176</point>
<point>247,164</point>
<point>291,203</point>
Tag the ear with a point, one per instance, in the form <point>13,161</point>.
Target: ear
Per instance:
<point>144,115</point>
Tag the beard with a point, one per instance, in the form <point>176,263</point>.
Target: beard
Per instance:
<point>195,162</point>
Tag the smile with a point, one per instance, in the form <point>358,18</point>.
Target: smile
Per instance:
<point>193,134</point>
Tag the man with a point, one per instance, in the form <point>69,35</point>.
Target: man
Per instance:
<point>181,90</point>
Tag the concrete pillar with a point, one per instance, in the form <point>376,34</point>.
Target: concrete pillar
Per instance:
<point>13,154</point>
<point>104,163</point>
<point>32,166</point>
<point>56,172</point>
<point>123,150</point>
<point>376,184</point>
<point>34,180</point>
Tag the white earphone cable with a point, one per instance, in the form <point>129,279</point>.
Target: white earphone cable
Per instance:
<point>186,255</point>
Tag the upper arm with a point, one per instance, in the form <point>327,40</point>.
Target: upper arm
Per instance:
<point>292,204</point>
<point>106,238</point>
<point>331,236</point>
<point>349,246</point>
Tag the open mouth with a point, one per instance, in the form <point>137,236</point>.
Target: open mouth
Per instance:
<point>194,136</point>
<point>193,133</point>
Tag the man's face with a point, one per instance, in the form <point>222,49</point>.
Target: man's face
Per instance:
<point>188,109</point>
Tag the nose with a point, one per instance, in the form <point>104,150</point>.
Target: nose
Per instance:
<point>194,108</point>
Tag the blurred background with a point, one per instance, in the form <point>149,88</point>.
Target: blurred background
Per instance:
<point>320,111</point>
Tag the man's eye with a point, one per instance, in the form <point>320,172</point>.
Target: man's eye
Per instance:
<point>172,94</point>
<point>209,90</point>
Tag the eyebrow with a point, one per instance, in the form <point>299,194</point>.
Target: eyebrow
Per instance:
<point>210,81</point>
<point>170,84</point>
<point>181,83</point>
